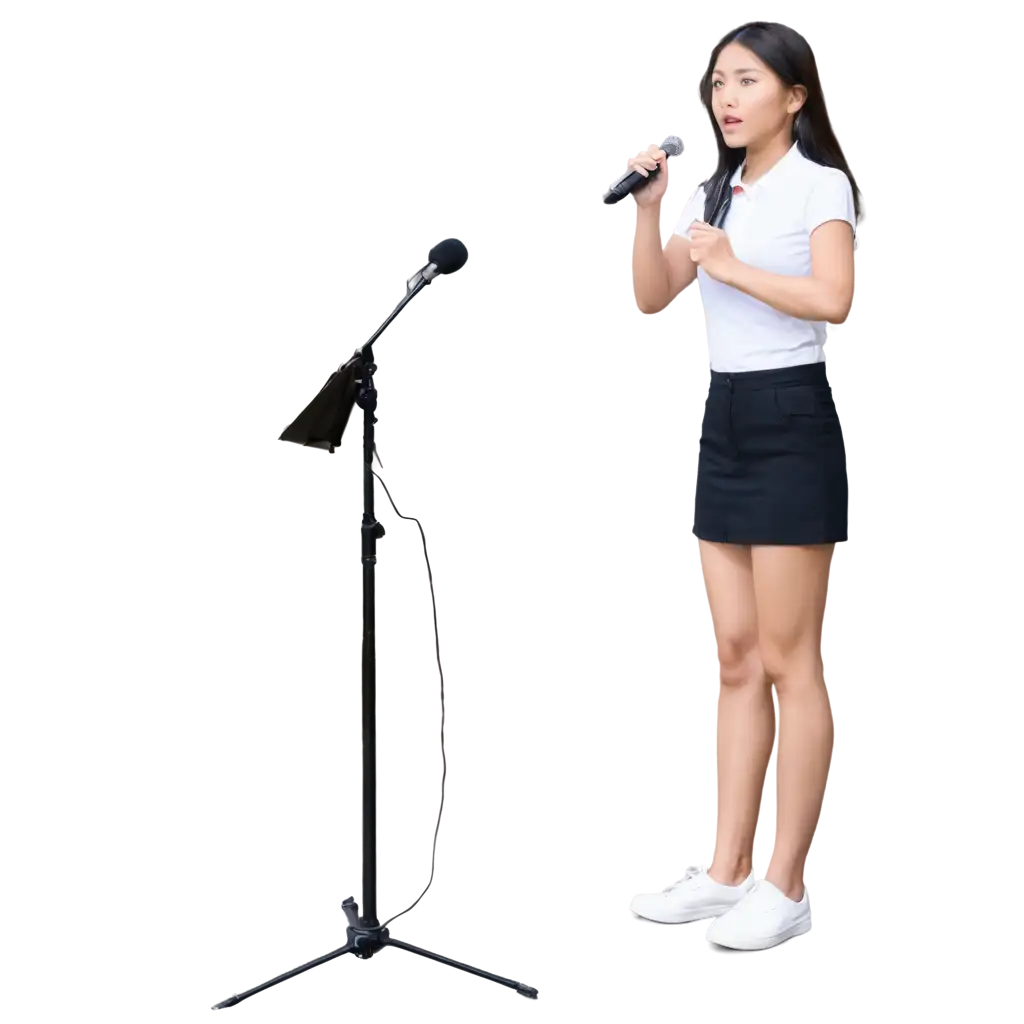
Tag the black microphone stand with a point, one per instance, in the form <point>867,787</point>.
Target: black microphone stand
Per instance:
<point>374,973</point>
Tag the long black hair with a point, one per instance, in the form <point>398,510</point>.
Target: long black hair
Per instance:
<point>790,56</point>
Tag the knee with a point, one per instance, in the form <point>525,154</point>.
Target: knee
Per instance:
<point>788,665</point>
<point>739,660</point>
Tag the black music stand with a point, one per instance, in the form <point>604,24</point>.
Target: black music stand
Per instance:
<point>372,973</point>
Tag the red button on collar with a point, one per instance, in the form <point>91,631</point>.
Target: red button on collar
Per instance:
<point>736,189</point>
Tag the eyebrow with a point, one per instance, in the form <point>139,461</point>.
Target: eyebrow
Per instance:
<point>739,71</point>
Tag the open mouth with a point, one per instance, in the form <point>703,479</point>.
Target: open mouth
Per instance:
<point>732,120</point>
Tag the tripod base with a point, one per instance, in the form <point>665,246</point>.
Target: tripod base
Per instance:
<point>382,976</point>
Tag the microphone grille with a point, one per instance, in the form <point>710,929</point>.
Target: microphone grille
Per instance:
<point>673,145</point>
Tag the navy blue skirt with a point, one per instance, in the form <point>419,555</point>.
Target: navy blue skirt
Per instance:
<point>772,464</point>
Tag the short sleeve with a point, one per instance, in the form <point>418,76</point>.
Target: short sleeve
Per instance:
<point>830,199</point>
<point>694,210</point>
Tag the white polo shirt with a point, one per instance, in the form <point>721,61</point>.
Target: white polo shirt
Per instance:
<point>769,225</point>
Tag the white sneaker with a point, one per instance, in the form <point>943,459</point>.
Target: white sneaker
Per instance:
<point>694,896</point>
<point>764,917</point>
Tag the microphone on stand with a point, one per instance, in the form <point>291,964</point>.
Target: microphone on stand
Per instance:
<point>620,188</point>
<point>445,258</point>
<point>450,254</point>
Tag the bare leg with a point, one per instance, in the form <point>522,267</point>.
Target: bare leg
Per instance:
<point>757,851</point>
<point>746,715</point>
<point>761,828</point>
<point>714,719</point>
<point>791,584</point>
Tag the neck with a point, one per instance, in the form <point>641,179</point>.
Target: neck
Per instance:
<point>762,156</point>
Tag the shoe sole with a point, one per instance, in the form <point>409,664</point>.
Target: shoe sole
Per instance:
<point>695,915</point>
<point>793,930</point>
<point>645,924</point>
<point>792,933</point>
<point>704,921</point>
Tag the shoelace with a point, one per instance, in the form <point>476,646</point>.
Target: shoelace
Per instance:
<point>687,873</point>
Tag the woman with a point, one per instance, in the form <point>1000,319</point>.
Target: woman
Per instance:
<point>770,237</point>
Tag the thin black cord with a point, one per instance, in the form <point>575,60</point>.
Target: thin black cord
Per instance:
<point>434,599</point>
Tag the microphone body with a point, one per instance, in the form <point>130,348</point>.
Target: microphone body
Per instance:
<point>622,186</point>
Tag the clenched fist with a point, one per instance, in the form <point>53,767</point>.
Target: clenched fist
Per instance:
<point>710,248</point>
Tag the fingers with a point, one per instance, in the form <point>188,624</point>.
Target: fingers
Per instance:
<point>705,240</point>
<point>701,238</point>
<point>646,160</point>
<point>704,232</point>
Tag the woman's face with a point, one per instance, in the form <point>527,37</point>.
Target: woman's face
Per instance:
<point>745,88</point>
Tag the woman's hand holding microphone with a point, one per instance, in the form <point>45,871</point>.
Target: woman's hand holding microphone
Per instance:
<point>647,160</point>
<point>709,247</point>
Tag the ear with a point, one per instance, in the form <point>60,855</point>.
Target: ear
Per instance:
<point>798,97</point>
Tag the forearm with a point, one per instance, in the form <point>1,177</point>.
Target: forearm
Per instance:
<point>806,298</point>
<point>650,268</point>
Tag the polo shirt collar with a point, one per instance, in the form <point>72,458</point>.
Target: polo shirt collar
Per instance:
<point>757,186</point>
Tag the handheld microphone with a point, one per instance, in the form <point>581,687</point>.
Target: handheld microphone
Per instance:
<point>621,187</point>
